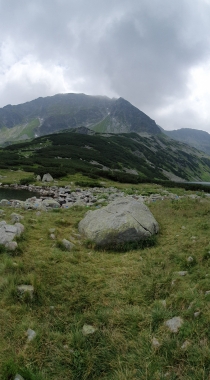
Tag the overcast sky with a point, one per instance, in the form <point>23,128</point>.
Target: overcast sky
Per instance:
<point>153,53</point>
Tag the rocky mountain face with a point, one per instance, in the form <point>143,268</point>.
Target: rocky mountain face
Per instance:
<point>125,118</point>
<point>44,116</point>
<point>60,104</point>
<point>193,137</point>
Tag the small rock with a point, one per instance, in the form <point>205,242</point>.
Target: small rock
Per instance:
<point>20,228</point>
<point>190,259</point>
<point>174,324</point>
<point>18,377</point>
<point>16,217</point>
<point>207,292</point>
<point>11,246</point>
<point>190,305</point>
<point>51,230</point>
<point>185,344</point>
<point>88,329</point>
<point>183,227</point>
<point>163,302</point>
<point>167,374</point>
<point>181,273</point>
<point>23,289</point>
<point>31,335</point>
<point>52,307</point>
<point>196,314</point>
<point>155,343</point>
<point>52,236</point>
<point>67,244</point>
<point>204,342</point>
<point>77,236</point>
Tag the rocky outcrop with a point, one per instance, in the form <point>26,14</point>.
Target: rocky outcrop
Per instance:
<point>8,233</point>
<point>124,220</point>
<point>47,178</point>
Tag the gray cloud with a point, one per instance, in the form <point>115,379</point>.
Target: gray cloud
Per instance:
<point>144,51</point>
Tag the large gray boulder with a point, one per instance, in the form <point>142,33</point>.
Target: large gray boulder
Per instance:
<point>123,220</point>
<point>47,178</point>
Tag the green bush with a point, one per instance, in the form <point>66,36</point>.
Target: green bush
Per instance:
<point>26,180</point>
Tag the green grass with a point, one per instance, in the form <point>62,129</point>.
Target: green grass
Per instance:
<point>29,129</point>
<point>120,294</point>
<point>19,131</point>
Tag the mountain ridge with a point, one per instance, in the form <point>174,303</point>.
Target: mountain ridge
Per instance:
<point>65,111</point>
<point>193,137</point>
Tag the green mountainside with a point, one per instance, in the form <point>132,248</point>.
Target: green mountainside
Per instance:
<point>114,139</point>
<point>122,157</point>
<point>193,137</point>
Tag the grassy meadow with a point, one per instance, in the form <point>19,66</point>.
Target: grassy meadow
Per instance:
<point>127,297</point>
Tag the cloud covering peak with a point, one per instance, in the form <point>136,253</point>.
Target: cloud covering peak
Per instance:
<point>155,54</point>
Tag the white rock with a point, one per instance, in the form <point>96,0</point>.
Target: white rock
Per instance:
<point>16,217</point>
<point>23,289</point>
<point>18,377</point>
<point>20,228</point>
<point>190,305</point>
<point>155,343</point>
<point>31,335</point>
<point>196,314</point>
<point>163,302</point>
<point>88,329</point>
<point>174,324</point>
<point>47,178</point>
<point>190,259</point>
<point>185,344</point>
<point>181,273</point>
<point>11,246</point>
<point>124,220</point>
<point>67,244</point>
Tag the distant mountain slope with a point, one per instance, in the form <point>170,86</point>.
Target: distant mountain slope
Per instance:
<point>65,111</point>
<point>123,157</point>
<point>193,137</point>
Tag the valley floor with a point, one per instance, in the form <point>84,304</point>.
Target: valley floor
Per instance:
<point>126,297</point>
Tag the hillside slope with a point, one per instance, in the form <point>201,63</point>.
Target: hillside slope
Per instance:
<point>125,118</point>
<point>193,137</point>
<point>123,157</point>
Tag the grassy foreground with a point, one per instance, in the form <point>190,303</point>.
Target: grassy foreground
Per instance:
<point>126,297</point>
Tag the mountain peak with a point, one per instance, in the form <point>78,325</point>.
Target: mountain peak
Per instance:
<point>50,114</point>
